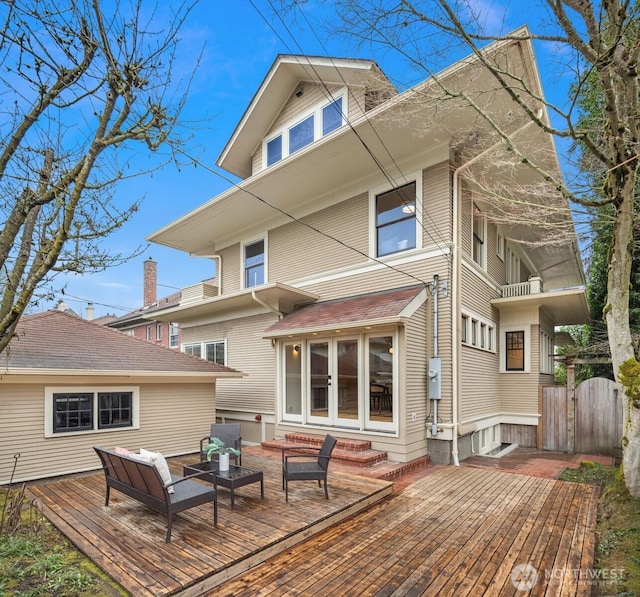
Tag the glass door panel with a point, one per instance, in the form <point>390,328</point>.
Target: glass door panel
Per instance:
<point>319,382</point>
<point>347,382</point>
<point>380,389</point>
<point>292,382</point>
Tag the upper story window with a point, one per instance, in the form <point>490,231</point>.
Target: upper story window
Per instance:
<point>479,235</point>
<point>210,351</point>
<point>254,262</point>
<point>512,267</point>
<point>332,116</point>
<point>174,335</point>
<point>158,331</point>
<point>301,134</point>
<point>321,121</point>
<point>395,213</point>
<point>149,333</point>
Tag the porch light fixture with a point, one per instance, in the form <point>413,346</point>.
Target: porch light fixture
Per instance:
<point>296,348</point>
<point>299,91</point>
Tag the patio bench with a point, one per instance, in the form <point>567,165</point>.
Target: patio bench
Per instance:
<point>143,482</point>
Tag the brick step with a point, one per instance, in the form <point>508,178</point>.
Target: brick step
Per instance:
<point>390,471</point>
<point>312,439</point>
<point>359,458</point>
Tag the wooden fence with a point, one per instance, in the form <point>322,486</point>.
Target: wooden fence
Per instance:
<point>587,421</point>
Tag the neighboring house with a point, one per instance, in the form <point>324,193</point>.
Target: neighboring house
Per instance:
<point>362,282</point>
<point>140,324</point>
<point>67,384</point>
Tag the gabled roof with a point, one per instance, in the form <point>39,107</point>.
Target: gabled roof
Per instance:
<point>375,308</point>
<point>283,77</point>
<point>57,343</point>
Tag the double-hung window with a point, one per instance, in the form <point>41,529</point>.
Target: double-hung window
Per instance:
<point>479,235</point>
<point>254,262</point>
<point>174,335</point>
<point>395,213</point>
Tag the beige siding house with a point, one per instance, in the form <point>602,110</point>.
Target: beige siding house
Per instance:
<point>364,284</point>
<point>67,384</point>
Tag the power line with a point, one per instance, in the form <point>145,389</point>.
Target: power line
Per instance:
<point>390,179</point>
<point>298,220</point>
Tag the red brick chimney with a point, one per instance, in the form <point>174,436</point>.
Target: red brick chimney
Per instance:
<point>150,282</point>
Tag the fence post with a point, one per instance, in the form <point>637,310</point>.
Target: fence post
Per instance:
<point>571,408</point>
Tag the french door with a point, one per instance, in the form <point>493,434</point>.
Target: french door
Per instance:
<point>333,382</point>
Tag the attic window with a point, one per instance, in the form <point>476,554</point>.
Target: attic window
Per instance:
<point>301,134</point>
<point>315,124</point>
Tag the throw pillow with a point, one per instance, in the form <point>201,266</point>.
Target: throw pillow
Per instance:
<point>160,463</point>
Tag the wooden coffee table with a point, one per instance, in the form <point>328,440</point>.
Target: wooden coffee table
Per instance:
<point>236,476</point>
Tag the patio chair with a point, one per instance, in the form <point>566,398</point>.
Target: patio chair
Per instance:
<point>307,470</point>
<point>229,433</point>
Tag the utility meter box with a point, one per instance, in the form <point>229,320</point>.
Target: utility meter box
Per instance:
<point>434,376</point>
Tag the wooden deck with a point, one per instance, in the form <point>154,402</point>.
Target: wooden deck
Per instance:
<point>126,539</point>
<point>458,531</point>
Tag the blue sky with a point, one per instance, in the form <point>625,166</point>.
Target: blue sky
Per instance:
<point>239,48</point>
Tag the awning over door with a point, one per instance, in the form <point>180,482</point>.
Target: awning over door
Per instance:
<point>361,311</point>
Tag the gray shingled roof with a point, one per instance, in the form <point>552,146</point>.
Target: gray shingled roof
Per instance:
<point>58,341</point>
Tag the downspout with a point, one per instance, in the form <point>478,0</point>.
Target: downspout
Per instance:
<point>455,292</point>
<point>218,258</point>
<point>436,289</point>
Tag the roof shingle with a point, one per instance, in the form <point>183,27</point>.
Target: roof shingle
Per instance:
<point>54,340</point>
<point>350,311</point>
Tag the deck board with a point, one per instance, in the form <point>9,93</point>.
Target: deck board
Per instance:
<point>126,539</point>
<point>458,531</point>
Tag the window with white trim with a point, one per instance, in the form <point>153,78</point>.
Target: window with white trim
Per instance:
<point>254,262</point>
<point>214,351</point>
<point>149,333</point>
<point>478,332</point>
<point>174,335</point>
<point>319,122</point>
<point>158,331</point>
<point>479,235</point>
<point>547,349</point>
<point>90,409</point>
<point>500,242</point>
<point>512,265</point>
<point>514,346</point>
<point>396,220</point>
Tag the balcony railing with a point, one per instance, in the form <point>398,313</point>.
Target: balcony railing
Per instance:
<point>533,286</point>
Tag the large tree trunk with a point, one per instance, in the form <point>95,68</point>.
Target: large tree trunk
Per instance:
<point>619,331</point>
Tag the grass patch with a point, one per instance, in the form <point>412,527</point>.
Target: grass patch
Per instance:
<point>37,560</point>
<point>617,554</point>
